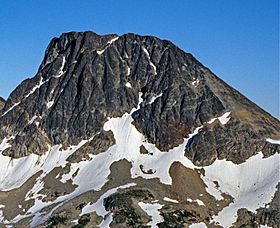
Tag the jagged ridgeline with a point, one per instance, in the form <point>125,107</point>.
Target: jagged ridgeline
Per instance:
<point>131,131</point>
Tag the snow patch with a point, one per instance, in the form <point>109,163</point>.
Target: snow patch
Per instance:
<point>60,71</point>
<point>11,108</point>
<point>195,83</point>
<point>273,141</point>
<point>106,221</point>
<point>150,62</point>
<point>2,218</point>
<point>36,87</point>
<point>26,96</point>
<point>199,202</point>
<point>32,119</point>
<point>128,85</point>
<point>113,40</point>
<point>3,146</point>
<point>223,119</point>
<point>170,200</point>
<point>198,225</point>
<point>49,104</point>
<point>154,98</point>
<point>33,193</point>
<point>265,226</point>
<point>75,221</point>
<point>152,210</point>
<point>100,52</point>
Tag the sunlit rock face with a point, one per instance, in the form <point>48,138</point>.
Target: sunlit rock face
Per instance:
<point>131,131</point>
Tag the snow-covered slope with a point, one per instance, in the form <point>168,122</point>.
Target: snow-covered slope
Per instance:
<point>256,178</point>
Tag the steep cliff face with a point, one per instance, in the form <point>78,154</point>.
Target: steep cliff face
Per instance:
<point>123,98</point>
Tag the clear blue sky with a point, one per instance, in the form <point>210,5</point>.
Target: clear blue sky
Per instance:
<point>237,39</point>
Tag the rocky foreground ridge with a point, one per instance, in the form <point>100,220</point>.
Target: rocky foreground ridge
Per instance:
<point>131,131</point>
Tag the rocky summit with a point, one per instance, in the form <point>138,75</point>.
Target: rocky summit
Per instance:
<point>131,131</point>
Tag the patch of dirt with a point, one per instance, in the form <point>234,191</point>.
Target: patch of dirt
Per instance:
<point>18,205</point>
<point>54,188</point>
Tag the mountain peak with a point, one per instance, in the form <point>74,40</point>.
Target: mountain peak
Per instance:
<point>132,123</point>
<point>84,76</point>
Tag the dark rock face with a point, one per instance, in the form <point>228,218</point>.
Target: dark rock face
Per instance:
<point>2,103</point>
<point>85,78</point>
<point>237,141</point>
<point>100,143</point>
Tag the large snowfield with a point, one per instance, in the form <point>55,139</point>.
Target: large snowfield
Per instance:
<point>252,184</point>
